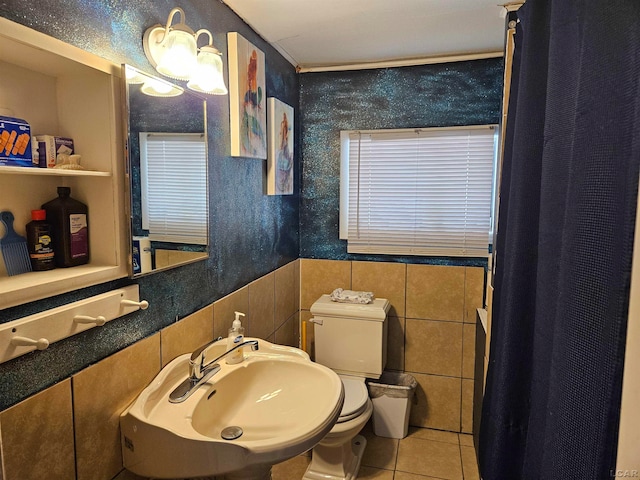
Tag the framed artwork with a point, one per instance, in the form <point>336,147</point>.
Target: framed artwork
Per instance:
<point>248,113</point>
<point>280,159</point>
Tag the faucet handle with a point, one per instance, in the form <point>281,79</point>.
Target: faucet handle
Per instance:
<point>200,373</point>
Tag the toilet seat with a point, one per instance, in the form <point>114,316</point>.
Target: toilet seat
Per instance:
<point>355,398</point>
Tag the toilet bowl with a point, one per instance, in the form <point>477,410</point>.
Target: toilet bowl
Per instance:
<point>352,341</point>
<point>339,453</point>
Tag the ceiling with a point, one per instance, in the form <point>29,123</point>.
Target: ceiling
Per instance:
<point>345,34</point>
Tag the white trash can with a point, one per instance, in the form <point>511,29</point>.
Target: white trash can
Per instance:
<point>391,397</point>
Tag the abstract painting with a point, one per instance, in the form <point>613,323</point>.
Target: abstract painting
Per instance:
<point>280,160</point>
<point>248,114</point>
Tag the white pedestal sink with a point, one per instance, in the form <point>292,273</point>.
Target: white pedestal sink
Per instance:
<point>274,405</point>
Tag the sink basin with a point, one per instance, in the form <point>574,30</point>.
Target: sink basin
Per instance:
<point>271,407</point>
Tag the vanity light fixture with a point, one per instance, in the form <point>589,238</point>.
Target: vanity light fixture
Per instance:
<point>173,51</point>
<point>207,76</point>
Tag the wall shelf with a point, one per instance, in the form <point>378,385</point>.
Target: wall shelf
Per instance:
<point>62,90</point>
<point>52,172</point>
<point>18,289</point>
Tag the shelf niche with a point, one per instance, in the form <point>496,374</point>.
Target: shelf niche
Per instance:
<point>69,93</point>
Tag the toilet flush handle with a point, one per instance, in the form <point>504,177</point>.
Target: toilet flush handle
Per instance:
<point>319,321</point>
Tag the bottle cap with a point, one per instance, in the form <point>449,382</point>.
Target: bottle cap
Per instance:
<point>64,191</point>
<point>38,214</point>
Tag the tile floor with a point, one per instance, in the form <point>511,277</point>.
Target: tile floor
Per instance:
<point>424,454</point>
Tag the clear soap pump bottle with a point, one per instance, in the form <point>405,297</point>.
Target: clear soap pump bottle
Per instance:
<point>235,338</point>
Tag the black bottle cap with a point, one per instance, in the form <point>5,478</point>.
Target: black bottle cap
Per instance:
<point>64,191</point>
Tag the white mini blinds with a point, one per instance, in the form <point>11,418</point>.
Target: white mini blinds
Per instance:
<point>419,191</point>
<point>174,187</point>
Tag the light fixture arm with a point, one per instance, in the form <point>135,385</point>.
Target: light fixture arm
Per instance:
<point>204,30</point>
<point>172,14</point>
<point>209,47</point>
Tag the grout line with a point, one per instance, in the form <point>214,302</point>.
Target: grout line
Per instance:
<point>460,458</point>
<point>276,321</point>
<point>73,423</point>
<point>404,330</point>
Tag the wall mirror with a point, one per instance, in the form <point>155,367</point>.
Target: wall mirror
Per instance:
<point>167,173</point>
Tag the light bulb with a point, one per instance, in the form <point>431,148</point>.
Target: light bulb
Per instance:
<point>207,76</point>
<point>179,55</point>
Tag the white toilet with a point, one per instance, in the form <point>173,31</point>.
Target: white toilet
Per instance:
<point>351,339</point>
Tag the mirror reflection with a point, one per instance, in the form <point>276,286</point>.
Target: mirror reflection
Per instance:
<point>167,158</point>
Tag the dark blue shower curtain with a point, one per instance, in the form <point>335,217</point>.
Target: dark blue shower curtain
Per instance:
<point>564,243</point>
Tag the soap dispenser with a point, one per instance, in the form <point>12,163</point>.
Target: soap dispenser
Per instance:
<point>236,337</point>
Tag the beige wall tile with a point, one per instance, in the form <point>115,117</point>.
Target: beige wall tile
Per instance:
<point>395,343</point>
<point>320,277</point>
<point>285,292</point>
<point>473,292</point>
<point>426,457</point>
<point>261,315</point>
<point>37,436</point>
<point>99,397</point>
<point>466,439</point>
<point>187,335</point>
<point>385,280</point>
<point>489,317</point>
<point>467,406</point>
<point>438,403</point>
<point>223,311</point>
<point>468,350</point>
<point>469,463</point>
<point>435,292</point>
<point>296,274</point>
<point>433,347</point>
<point>287,333</point>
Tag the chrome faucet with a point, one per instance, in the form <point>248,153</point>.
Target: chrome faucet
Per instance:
<point>200,373</point>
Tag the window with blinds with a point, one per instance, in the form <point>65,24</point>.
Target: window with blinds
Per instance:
<point>418,191</point>
<point>174,187</point>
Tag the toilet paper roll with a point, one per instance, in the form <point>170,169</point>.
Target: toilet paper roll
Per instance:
<point>141,255</point>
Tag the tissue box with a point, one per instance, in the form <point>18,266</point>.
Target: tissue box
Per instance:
<point>15,142</point>
<point>49,146</point>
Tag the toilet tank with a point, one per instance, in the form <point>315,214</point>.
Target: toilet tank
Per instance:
<point>351,338</point>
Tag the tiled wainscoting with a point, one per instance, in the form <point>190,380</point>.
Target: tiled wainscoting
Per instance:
<point>71,430</point>
<point>432,328</point>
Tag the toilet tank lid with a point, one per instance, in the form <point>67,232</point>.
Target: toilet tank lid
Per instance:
<point>376,310</point>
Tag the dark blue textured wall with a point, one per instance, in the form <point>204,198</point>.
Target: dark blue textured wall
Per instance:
<point>251,234</point>
<point>461,93</point>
